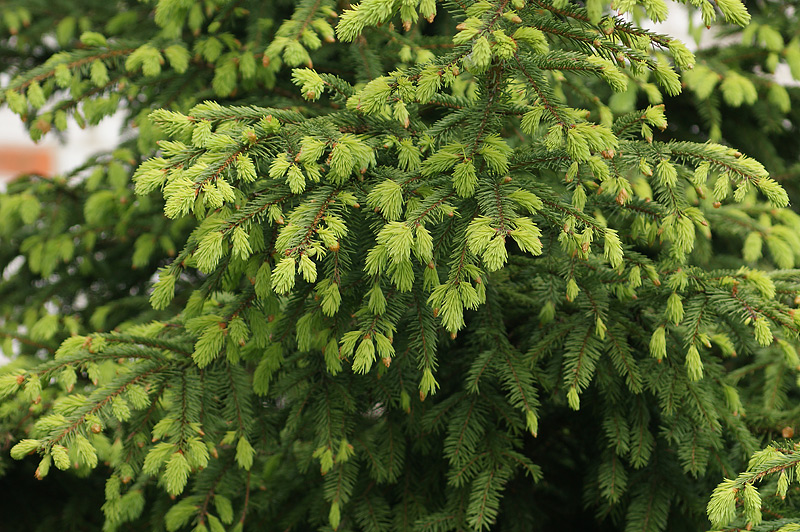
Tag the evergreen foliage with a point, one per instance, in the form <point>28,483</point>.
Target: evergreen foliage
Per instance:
<point>403,265</point>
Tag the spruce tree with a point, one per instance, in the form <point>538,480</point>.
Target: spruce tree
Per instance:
<point>401,265</point>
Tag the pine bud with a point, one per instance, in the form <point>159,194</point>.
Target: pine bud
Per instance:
<point>694,365</point>
<point>44,467</point>
<point>644,168</point>
<point>573,398</point>
<point>674,310</point>
<point>763,333</point>
<point>405,402</point>
<point>600,328</point>
<point>658,344</point>
<point>783,479</point>
<point>572,171</point>
<point>572,290</point>
<point>547,313</point>
<point>752,504</point>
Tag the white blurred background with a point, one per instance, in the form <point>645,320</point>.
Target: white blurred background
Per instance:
<point>19,154</point>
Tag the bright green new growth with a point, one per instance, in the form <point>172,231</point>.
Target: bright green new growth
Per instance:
<point>396,295</point>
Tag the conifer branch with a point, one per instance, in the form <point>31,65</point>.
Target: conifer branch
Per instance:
<point>551,107</point>
<point>26,340</point>
<point>246,499</point>
<point>80,59</point>
<point>107,396</point>
<point>570,256</point>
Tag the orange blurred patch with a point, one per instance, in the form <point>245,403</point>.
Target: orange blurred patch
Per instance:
<point>17,160</point>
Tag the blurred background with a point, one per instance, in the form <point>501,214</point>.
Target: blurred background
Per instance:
<point>55,153</point>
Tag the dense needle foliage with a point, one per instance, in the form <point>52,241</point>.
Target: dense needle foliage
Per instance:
<point>402,265</point>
